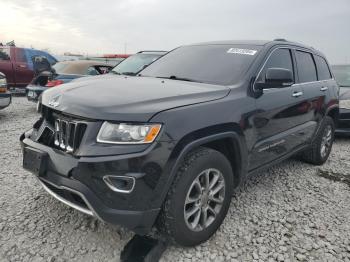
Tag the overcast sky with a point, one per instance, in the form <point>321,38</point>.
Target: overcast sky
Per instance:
<point>99,27</point>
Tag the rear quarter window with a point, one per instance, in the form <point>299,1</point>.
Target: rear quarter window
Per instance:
<point>322,68</point>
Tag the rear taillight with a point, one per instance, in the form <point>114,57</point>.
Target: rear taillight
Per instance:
<point>3,89</point>
<point>52,83</point>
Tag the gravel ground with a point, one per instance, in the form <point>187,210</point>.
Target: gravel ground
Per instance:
<point>292,212</point>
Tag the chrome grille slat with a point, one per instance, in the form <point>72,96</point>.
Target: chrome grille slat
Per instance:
<point>66,134</point>
<point>57,132</point>
<point>61,135</point>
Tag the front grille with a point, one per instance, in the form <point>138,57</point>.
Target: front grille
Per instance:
<point>60,131</point>
<point>68,134</point>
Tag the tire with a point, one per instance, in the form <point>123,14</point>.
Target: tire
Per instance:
<point>187,185</point>
<point>324,140</point>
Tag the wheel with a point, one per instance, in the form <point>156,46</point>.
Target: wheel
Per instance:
<point>198,199</point>
<point>321,147</point>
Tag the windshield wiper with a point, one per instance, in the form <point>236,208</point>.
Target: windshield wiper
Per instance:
<point>129,73</point>
<point>114,72</point>
<point>179,78</point>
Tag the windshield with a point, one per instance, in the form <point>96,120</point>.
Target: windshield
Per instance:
<point>212,64</point>
<point>133,64</point>
<point>342,75</point>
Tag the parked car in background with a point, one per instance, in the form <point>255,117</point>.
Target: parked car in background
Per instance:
<point>110,61</point>
<point>62,58</point>
<point>17,64</point>
<point>342,76</point>
<point>64,72</point>
<point>169,146</point>
<point>135,63</point>
<point>5,95</point>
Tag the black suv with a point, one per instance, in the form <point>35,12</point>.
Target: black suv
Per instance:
<point>168,147</point>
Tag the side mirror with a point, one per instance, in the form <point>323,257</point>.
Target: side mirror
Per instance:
<point>277,78</point>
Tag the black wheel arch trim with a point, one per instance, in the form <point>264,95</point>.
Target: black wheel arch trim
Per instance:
<point>331,108</point>
<point>240,148</point>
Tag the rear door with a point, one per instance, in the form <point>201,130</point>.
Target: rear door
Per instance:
<point>326,84</point>
<point>6,65</point>
<point>23,72</point>
<point>278,121</point>
<point>314,95</point>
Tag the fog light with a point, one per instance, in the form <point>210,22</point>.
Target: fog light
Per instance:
<point>121,184</point>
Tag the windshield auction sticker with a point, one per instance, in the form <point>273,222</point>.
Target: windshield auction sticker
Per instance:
<point>241,51</point>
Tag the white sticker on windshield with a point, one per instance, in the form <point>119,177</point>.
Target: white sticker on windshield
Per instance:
<point>241,51</point>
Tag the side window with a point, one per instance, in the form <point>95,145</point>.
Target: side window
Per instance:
<point>306,67</point>
<point>21,55</point>
<point>280,58</point>
<point>92,71</point>
<point>322,68</point>
<point>4,54</point>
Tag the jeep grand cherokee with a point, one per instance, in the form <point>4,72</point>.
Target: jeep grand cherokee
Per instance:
<point>168,148</point>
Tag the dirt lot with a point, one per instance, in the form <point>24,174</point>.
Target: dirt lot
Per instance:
<point>292,212</point>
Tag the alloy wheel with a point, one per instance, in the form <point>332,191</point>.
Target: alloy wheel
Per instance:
<point>204,199</point>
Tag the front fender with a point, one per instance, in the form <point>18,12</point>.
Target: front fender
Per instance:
<point>184,146</point>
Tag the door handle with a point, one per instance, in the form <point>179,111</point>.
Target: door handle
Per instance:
<point>22,66</point>
<point>297,94</point>
<point>324,88</point>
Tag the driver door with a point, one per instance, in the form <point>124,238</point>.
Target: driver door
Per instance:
<point>277,124</point>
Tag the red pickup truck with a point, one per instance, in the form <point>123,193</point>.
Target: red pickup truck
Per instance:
<point>17,64</point>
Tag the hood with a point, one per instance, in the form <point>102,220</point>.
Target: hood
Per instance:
<point>128,98</point>
<point>88,78</point>
<point>344,93</point>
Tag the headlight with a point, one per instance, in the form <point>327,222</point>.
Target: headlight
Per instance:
<point>344,104</point>
<point>128,133</point>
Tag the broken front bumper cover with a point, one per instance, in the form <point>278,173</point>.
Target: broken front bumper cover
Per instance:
<point>80,197</point>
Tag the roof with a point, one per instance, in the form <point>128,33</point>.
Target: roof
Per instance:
<point>234,42</point>
<point>152,52</point>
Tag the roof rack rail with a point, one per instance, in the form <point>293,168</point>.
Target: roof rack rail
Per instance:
<point>143,51</point>
<point>280,39</point>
